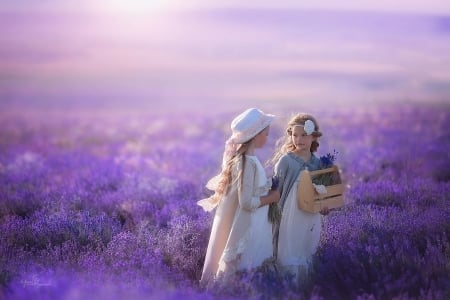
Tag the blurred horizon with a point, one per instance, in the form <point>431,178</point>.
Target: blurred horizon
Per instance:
<point>108,55</point>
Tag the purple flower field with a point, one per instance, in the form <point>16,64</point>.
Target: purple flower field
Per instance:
<point>103,206</point>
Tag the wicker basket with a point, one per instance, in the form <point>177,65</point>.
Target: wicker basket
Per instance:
<point>310,201</point>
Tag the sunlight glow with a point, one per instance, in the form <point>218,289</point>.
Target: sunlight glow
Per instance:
<point>134,6</point>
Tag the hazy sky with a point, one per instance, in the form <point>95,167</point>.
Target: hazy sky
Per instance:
<point>412,6</point>
<point>192,53</point>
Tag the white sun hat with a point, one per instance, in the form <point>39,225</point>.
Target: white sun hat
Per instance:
<point>248,124</point>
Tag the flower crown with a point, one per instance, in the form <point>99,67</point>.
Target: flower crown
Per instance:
<point>308,127</point>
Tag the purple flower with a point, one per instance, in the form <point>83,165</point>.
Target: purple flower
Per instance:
<point>328,159</point>
<point>275,182</point>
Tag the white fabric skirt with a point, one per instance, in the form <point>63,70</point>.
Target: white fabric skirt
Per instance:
<point>259,242</point>
<point>299,234</point>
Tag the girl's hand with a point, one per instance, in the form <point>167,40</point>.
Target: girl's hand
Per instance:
<point>272,197</point>
<point>275,195</point>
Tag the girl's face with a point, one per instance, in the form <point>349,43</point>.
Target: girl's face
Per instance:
<point>261,138</point>
<point>300,139</point>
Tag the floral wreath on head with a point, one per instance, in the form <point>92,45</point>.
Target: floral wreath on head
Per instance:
<point>308,127</point>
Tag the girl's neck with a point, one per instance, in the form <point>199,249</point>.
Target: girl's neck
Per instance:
<point>303,154</point>
<point>250,150</point>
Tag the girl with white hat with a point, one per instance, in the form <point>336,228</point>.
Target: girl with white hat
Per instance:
<point>241,235</point>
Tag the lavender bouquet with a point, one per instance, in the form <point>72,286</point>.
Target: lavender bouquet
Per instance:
<point>326,161</point>
<point>274,213</point>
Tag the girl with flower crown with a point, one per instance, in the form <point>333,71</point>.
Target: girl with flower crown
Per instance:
<point>241,236</point>
<point>296,233</point>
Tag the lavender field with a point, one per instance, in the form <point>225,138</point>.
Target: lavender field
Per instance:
<point>102,205</point>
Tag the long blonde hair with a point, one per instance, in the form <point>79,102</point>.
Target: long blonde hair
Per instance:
<point>226,175</point>
<point>285,145</point>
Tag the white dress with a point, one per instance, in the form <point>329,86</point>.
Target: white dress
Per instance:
<point>241,235</point>
<point>259,240</point>
<point>299,234</point>
<point>259,236</point>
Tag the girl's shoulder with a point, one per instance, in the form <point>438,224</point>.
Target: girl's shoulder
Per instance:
<point>286,157</point>
<point>314,158</point>
<point>315,163</point>
<point>247,164</point>
<point>285,161</point>
<point>253,165</point>
<point>252,161</point>
<point>252,158</point>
